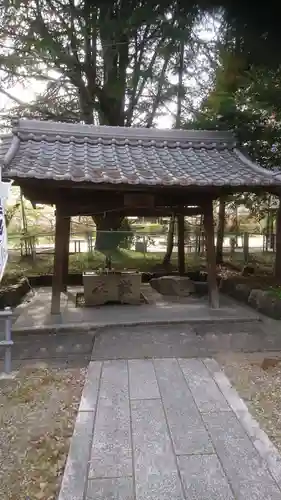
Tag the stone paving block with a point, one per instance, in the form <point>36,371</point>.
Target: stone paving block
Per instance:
<point>224,424</point>
<point>146,342</point>
<point>187,429</point>
<point>205,391</point>
<point>143,383</point>
<point>203,478</point>
<point>111,451</point>
<point>156,475</point>
<point>247,472</point>
<point>75,473</point>
<point>120,488</point>
<point>90,392</point>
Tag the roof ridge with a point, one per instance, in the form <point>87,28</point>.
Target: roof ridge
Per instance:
<point>39,127</point>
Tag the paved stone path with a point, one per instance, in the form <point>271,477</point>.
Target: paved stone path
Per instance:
<point>75,348</point>
<point>186,340</point>
<point>167,429</point>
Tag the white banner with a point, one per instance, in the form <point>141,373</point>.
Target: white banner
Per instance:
<point>4,193</point>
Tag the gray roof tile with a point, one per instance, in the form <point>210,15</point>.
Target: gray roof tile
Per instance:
<point>116,155</point>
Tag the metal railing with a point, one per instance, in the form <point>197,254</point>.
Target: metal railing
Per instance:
<point>7,342</point>
<point>146,243</point>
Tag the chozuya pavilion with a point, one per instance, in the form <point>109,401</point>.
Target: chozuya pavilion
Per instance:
<point>84,169</point>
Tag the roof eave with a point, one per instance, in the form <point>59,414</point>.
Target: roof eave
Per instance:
<point>12,151</point>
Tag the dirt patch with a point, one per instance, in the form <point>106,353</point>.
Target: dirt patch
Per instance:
<point>258,380</point>
<point>37,414</point>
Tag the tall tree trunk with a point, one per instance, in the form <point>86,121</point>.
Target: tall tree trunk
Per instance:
<point>170,241</point>
<point>107,226</point>
<point>220,231</point>
<point>171,231</point>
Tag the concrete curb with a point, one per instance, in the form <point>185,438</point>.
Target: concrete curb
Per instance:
<point>90,327</point>
<point>77,464</point>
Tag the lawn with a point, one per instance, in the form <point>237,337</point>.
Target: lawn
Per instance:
<point>122,259</point>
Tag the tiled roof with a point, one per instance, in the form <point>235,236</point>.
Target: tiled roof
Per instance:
<point>135,156</point>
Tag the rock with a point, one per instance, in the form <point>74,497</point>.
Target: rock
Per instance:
<point>179,286</point>
<point>269,363</point>
<point>201,287</point>
<point>162,269</point>
<point>269,304</point>
<point>194,275</point>
<point>255,298</point>
<point>203,276</point>
<point>242,292</point>
<point>248,270</point>
<point>227,285</point>
<point>146,277</point>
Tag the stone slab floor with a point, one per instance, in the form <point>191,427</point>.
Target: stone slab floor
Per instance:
<point>167,429</point>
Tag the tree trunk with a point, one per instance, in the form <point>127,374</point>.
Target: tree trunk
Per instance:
<point>211,255</point>
<point>170,241</point>
<point>171,231</point>
<point>220,232</point>
<point>107,239</point>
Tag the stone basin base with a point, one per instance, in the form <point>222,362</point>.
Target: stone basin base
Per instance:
<point>123,288</point>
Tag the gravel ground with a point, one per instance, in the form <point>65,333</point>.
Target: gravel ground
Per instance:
<point>37,415</point>
<point>257,378</point>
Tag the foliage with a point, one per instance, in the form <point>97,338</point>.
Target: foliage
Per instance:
<point>275,291</point>
<point>10,212</point>
<point>105,63</point>
<point>256,27</point>
<point>247,102</point>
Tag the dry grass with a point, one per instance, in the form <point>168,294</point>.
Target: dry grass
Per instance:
<point>257,377</point>
<point>121,259</point>
<point>37,416</point>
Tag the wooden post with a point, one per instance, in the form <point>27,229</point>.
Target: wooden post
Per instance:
<point>232,242</point>
<point>211,255</point>
<point>277,267</point>
<point>59,261</point>
<point>181,255</point>
<point>66,253</point>
<point>246,248</point>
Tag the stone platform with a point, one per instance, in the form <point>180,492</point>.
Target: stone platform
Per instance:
<point>167,429</point>
<point>35,314</point>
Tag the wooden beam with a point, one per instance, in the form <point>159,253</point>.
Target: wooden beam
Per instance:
<point>66,253</point>
<point>181,255</point>
<point>211,254</point>
<point>59,261</point>
<point>80,209</point>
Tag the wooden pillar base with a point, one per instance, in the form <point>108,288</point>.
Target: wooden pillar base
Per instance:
<point>211,255</point>
<point>66,253</point>
<point>181,255</point>
<point>61,235</point>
